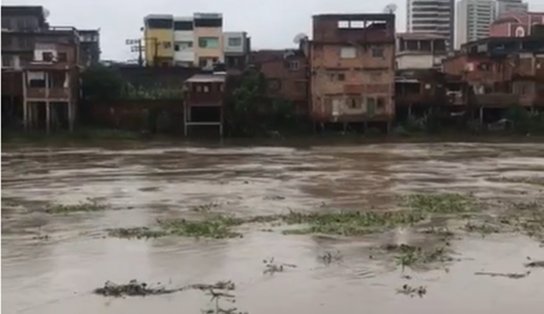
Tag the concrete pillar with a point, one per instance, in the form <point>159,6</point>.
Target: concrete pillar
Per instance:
<point>482,115</point>
<point>185,119</point>
<point>25,115</point>
<point>410,112</point>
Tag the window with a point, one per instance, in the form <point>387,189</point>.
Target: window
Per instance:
<point>25,42</point>
<point>341,77</point>
<point>208,42</point>
<point>62,57</point>
<point>6,23</point>
<point>357,24</point>
<point>47,56</point>
<point>235,41</point>
<point>381,103</point>
<point>6,41</point>
<point>36,79</point>
<point>294,65</point>
<point>206,89</point>
<point>167,45</point>
<point>348,52</point>
<point>377,52</point>
<point>183,25</point>
<point>183,45</point>
<point>7,61</point>
<point>343,24</point>
<point>353,103</point>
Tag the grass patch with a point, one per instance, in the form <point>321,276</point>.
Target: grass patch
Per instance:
<point>350,223</point>
<point>86,206</point>
<point>445,203</point>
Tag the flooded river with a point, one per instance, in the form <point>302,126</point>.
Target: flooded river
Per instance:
<point>142,183</point>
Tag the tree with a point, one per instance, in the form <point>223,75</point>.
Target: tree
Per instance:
<point>100,83</point>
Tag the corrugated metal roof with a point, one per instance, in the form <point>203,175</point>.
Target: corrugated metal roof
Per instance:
<point>207,78</point>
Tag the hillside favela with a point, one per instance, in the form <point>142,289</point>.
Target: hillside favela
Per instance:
<point>263,157</point>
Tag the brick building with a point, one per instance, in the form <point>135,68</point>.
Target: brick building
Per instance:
<point>286,74</point>
<point>501,72</point>
<point>40,68</point>
<point>352,68</point>
<point>516,24</point>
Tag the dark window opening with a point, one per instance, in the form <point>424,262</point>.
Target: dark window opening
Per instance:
<point>62,57</point>
<point>160,23</point>
<point>183,25</point>
<point>380,103</point>
<point>377,52</point>
<point>176,47</point>
<point>208,22</point>
<point>47,56</point>
<point>341,77</point>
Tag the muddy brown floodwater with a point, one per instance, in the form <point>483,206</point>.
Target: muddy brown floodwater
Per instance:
<point>141,183</point>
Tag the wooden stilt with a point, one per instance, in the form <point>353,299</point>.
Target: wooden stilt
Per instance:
<point>48,116</point>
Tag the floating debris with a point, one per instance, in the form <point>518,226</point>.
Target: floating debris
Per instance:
<point>412,291</point>
<point>272,267</point>
<point>535,264</point>
<point>328,257</point>
<point>136,288</point>
<point>133,288</point>
<point>506,275</point>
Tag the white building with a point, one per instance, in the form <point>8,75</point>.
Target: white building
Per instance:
<point>473,20</point>
<point>420,51</point>
<point>184,54</point>
<point>510,6</point>
<point>431,16</point>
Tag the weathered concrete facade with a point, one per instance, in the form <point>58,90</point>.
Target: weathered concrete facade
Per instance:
<point>352,68</point>
<point>286,73</point>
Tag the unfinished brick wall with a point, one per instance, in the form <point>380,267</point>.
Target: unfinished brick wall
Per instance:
<point>352,68</point>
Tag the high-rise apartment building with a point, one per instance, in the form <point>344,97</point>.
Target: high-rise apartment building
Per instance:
<point>431,17</point>
<point>474,18</point>
<point>510,6</point>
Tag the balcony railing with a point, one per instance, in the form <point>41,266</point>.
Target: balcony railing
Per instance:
<point>55,93</point>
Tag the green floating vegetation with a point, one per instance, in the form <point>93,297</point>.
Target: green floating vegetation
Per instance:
<point>483,228</point>
<point>412,256</point>
<point>444,203</point>
<point>136,233</point>
<point>217,227</point>
<point>350,223</point>
<point>86,206</point>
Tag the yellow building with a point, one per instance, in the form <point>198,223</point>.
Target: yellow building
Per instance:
<point>159,39</point>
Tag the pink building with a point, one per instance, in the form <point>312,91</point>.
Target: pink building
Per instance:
<point>516,24</point>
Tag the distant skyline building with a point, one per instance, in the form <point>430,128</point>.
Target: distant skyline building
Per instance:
<point>473,20</point>
<point>431,17</point>
<point>510,6</point>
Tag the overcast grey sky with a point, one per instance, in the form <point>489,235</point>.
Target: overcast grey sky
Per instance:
<point>270,23</point>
